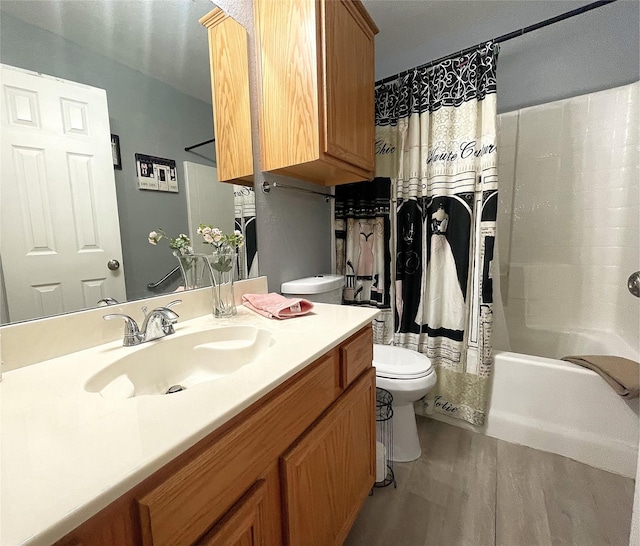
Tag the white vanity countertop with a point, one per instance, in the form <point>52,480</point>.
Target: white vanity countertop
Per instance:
<point>67,453</point>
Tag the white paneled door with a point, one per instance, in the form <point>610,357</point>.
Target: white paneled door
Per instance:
<point>59,221</point>
<point>208,202</point>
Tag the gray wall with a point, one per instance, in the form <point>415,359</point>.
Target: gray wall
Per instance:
<point>594,51</point>
<point>590,52</point>
<point>150,118</point>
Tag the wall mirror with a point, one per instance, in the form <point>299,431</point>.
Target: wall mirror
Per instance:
<point>151,59</point>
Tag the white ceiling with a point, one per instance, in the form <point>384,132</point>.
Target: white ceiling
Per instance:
<point>162,38</point>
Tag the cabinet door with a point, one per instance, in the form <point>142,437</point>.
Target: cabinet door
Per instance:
<point>329,473</point>
<point>286,49</point>
<point>349,83</point>
<point>228,57</point>
<point>244,525</point>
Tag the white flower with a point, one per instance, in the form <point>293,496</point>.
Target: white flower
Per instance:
<point>215,237</point>
<point>153,241</point>
<point>199,231</point>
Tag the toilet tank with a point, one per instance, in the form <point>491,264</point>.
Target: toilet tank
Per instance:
<point>320,288</point>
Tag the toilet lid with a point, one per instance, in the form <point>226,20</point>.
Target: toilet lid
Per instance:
<point>400,363</point>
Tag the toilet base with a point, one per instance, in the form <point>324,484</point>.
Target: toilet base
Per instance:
<point>406,445</point>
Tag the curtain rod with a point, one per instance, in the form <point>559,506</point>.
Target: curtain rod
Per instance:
<point>266,188</point>
<point>505,37</point>
<point>189,148</point>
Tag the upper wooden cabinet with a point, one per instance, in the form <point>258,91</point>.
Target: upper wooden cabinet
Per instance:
<point>316,73</point>
<point>228,55</point>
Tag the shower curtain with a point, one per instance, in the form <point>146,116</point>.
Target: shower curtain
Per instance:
<point>436,139</point>
<point>363,233</point>
<point>244,203</point>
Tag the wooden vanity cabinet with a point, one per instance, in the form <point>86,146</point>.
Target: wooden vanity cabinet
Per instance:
<point>316,99</point>
<point>246,522</point>
<point>293,468</point>
<point>325,475</point>
<point>228,57</point>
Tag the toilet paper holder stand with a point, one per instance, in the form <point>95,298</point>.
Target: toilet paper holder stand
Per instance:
<point>384,439</point>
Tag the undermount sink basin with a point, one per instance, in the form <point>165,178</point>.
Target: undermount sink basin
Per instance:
<point>178,362</point>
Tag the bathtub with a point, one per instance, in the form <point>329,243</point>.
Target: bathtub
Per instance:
<point>560,407</point>
<point>559,343</point>
<point>557,406</point>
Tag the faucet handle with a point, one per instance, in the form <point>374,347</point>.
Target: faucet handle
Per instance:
<point>131,330</point>
<point>168,315</point>
<point>158,323</point>
<point>107,301</point>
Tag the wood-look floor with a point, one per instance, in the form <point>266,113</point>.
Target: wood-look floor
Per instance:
<point>470,489</point>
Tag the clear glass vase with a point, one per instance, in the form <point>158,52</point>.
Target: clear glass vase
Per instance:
<point>194,269</point>
<point>222,262</point>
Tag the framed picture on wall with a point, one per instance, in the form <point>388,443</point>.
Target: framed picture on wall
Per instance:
<point>156,173</point>
<point>115,152</point>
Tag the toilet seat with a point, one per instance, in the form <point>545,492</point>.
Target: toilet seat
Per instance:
<point>400,364</point>
<point>402,377</point>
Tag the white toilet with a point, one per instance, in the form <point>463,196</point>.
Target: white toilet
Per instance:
<point>321,288</point>
<point>408,376</point>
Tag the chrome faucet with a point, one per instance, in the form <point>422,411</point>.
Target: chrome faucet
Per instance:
<point>157,323</point>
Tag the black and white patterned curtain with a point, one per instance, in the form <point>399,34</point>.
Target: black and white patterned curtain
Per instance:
<point>363,256</point>
<point>436,139</point>
<point>363,232</point>
<point>244,201</point>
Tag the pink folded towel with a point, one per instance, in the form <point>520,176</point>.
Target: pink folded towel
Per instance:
<point>276,306</point>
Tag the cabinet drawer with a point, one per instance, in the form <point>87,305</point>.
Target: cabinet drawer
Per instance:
<point>243,525</point>
<point>183,507</point>
<point>356,355</point>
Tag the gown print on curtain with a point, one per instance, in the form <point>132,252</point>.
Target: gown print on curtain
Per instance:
<point>436,140</point>
<point>244,201</point>
<point>363,233</point>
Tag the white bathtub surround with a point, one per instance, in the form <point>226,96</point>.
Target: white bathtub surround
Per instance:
<point>568,236</point>
<point>68,453</point>
<point>568,221</point>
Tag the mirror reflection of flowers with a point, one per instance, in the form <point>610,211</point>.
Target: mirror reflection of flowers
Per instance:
<point>181,245</point>
<point>224,245</point>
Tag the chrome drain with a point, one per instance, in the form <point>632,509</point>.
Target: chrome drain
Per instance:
<point>175,388</point>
